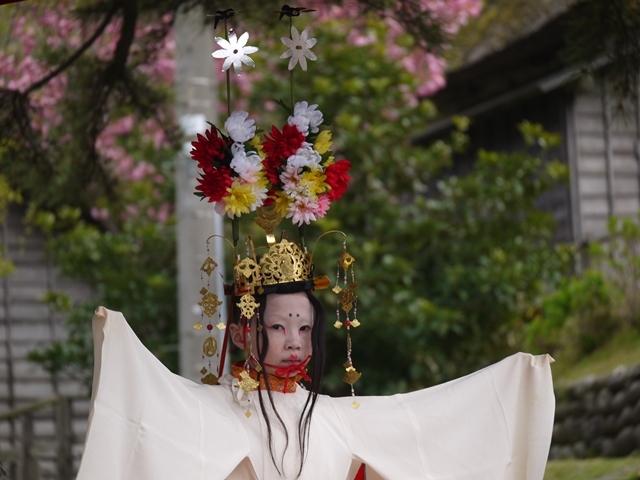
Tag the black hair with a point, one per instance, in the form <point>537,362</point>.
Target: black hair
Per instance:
<point>316,366</point>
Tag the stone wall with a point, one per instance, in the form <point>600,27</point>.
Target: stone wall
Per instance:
<point>598,416</point>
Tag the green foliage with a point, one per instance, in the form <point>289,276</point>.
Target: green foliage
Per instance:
<point>74,355</point>
<point>589,469</point>
<point>619,258</point>
<point>7,196</point>
<point>576,318</point>
<point>587,310</point>
<point>133,268</point>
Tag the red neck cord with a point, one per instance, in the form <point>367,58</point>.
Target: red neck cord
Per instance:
<point>296,369</point>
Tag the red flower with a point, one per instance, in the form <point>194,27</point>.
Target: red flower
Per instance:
<point>208,150</point>
<point>338,178</point>
<point>214,183</point>
<point>270,200</point>
<point>281,145</point>
<point>271,165</point>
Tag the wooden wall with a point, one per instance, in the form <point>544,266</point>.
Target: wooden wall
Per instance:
<point>606,167</point>
<point>498,130</point>
<point>26,324</point>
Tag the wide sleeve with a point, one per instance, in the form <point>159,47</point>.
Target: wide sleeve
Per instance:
<point>149,424</point>
<point>495,424</point>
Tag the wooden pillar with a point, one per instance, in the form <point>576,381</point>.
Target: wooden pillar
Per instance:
<point>608,146</point>
<point>29,463</point>
<point>64,433</point>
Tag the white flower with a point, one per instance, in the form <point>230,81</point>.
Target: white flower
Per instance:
<point>305,156</point>
<point>247,166</point>
<point>261,195</point>
<point>306,117</point>
<point>235,52</point>
<point>239,128</point>
<point>299,48</point>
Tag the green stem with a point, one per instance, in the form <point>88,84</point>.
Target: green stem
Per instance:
<point>301,234</point>
<point>228,95</point>
<point>291,71</point>
<point>291,83</point>
<point>226,37</point>
<point>235,231</point>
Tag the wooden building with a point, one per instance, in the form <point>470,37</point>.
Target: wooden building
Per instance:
<point>528,80</point>
<point>42,417</point>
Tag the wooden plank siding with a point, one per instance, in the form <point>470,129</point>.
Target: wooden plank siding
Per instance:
<point>27,324</point>
<point>498,130</point>
<point>604,190</point>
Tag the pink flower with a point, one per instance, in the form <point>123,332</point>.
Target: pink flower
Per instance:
<point>303,210</point>
<point>324,202</point>
<point>99,214</point>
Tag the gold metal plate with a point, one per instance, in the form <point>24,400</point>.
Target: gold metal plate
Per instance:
<point>210,347</point>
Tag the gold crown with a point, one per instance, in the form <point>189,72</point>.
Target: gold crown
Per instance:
<point>285,262</point>
<point>285,268</point>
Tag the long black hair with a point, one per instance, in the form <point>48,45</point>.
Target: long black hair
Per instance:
<point>316,366</point>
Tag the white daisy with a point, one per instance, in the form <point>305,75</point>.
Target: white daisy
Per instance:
<point>305,117</point>
<point>305,156</point>
<point>239,128</point>
<point>246,165</point>
<point>298,48</point>
<point>235,52</point>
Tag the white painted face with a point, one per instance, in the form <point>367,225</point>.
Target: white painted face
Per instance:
<point>288,321</point>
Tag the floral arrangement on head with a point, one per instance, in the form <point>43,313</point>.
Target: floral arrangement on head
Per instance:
<point>292,169</point>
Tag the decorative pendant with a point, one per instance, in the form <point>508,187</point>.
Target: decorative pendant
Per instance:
<point>352,375</point>
<point>247,383</point>
<point>210,347</point>
<point>209,379</point>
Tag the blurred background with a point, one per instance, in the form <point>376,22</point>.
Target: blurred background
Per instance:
<point>493,206</point>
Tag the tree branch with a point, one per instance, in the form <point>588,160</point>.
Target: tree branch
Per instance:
<point>77,54</point>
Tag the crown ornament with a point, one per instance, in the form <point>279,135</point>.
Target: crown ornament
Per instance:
<point>288,173</point>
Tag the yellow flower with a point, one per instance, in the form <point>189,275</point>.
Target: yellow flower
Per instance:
<point>323,142</point>
<point>329,161</point>
<point>240,199</point>
<point>282,204</point>
<point>314,182</point>
<point>257,144</point>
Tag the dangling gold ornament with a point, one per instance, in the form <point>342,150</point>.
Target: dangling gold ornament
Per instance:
<point>210,347</point>
<point>247,383</point>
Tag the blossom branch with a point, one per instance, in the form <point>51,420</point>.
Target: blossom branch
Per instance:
<point>77,54</point>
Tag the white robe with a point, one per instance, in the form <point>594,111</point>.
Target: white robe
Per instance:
<point>148,424</point>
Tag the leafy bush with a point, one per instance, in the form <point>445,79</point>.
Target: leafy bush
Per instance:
<point>576,318</point>
<point>619,259</point>
<point>133,268</point>
<point>586,310</point>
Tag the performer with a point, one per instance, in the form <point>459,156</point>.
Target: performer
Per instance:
<point>258,422</point>
<point>147,423</point>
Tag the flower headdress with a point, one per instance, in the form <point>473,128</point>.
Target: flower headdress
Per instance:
<point>291,174</point>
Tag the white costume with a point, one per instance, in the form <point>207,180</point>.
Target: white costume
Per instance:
<point>149,424</point>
